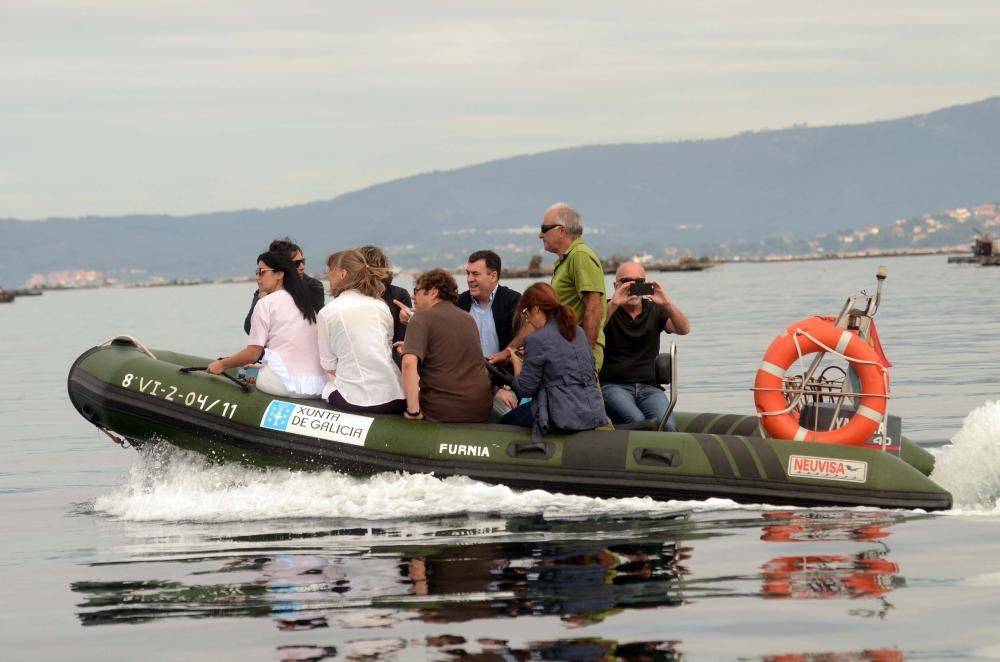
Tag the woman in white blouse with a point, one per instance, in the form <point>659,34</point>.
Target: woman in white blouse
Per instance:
<point>355,339</point>
<point>282,333</point>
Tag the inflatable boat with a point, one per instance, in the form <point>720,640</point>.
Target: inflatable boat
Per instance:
<point>143,396</point>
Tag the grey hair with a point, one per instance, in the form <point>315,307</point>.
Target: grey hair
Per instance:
<point>568,216</point>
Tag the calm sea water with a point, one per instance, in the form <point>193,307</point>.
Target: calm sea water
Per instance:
<point>111,555</point>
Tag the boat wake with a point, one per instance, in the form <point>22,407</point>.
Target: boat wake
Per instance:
<point>970,467</point>
<point>167,484</point>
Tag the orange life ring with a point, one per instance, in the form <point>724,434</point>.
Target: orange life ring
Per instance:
<point>809,322</point>
<point>798,341</point>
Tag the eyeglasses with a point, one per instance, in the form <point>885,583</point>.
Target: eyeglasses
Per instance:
<point>418,290</point>
<point>260,272</point>
<point>545,228</point>
<point>300,262</point>
<point>628,279</point>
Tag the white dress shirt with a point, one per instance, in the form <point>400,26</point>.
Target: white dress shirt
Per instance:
<point>355,341</point>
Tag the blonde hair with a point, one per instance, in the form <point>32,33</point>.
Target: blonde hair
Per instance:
<point>374,256</point>
<point>361,276</point>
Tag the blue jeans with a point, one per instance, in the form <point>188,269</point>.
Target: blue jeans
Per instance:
<point>631,403</point>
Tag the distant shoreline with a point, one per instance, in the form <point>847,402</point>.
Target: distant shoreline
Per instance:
<point>546,271</point>
<point>851,255</point>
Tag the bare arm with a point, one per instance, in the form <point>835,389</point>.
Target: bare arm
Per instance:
<point>411,385</point>
<point>617,299</point>
<point>505,354</point>
<point>591,322</point>
<point>248,354</point>
<point>677,321</point>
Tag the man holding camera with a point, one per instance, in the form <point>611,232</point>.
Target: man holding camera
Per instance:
<point>638,312</point>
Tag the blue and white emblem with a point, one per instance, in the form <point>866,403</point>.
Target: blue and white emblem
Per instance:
<point>316,421</point>
<point>278,415</point>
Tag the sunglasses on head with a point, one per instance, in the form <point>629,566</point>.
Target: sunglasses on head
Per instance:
<point>545,228</point>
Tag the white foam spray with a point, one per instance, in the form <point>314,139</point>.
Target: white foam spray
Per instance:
<point>970,467</point>
<point>173,485</point>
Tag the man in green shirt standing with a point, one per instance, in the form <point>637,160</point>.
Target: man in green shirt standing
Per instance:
<point>578,277</point>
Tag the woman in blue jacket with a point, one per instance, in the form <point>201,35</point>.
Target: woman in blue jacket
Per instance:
<point>557,370</point>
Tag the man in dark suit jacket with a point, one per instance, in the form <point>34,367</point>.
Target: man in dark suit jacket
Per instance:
<point>287,246</point>
<point>491,304</point>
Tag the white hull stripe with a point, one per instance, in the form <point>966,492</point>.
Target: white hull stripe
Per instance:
<point>845,339</point>
<point>772,369</point>
<point>868,412</point>
<point>801,434</point>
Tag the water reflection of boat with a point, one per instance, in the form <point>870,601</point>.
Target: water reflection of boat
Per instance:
<point>866,655</point>
<point>817,525</point>
<point>576,580</point>
<point>477,587</point>
<point>868,573</point>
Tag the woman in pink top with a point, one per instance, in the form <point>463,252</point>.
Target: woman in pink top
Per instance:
<point>282,333</point>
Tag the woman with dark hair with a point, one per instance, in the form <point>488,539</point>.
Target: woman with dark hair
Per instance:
<point>314,287</point>
<point>355,339</point>
<point>282,333</point>
<point>557,370</point>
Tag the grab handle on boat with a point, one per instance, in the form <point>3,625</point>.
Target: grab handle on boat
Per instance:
<point>529,450</point>
<point>662,457</point>
<point>243,387</point>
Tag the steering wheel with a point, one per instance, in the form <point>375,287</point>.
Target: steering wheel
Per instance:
<point>498,374</point>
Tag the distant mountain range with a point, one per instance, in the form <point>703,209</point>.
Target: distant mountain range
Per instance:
<point>743,193</point>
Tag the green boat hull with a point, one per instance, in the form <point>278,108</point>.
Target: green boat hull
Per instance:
<point>122,389</point>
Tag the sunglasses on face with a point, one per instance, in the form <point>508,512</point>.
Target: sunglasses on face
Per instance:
<point>260,272</point>
<point>545,228</point>
<point>300,262</point>
<point>631,280</point>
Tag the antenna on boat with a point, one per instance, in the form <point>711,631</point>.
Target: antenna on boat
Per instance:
<point>854,318</point>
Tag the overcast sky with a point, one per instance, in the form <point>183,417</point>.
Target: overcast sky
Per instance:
<point>183,106</point>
